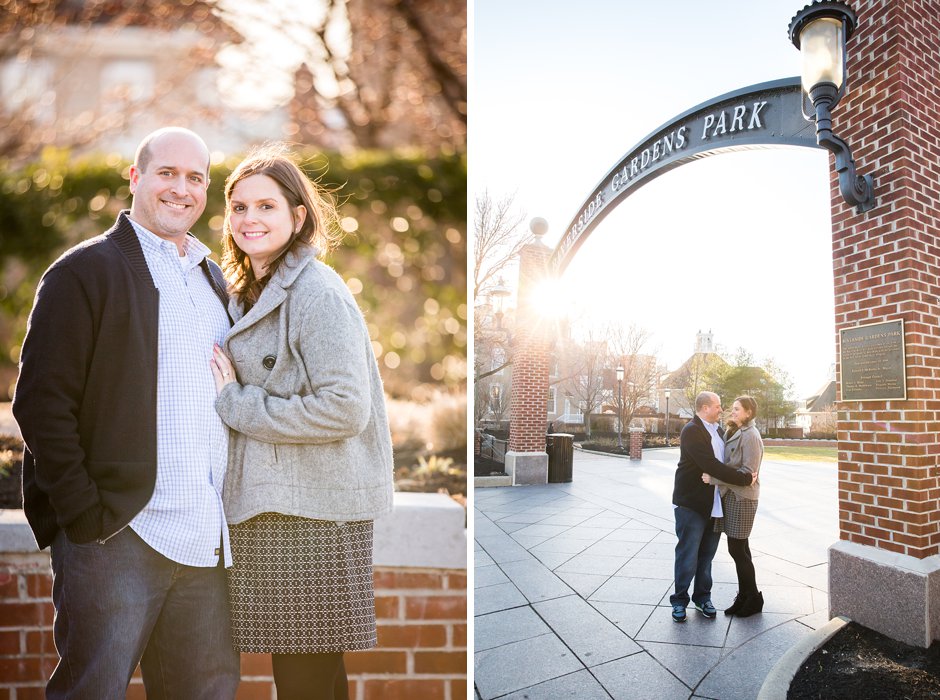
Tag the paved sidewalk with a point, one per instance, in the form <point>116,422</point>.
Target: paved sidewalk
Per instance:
<point>572,585</point>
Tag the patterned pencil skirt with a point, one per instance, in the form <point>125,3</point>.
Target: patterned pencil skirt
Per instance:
<point>738,516</point>
<point>301,586</point>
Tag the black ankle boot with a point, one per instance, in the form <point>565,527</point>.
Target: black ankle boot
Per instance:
<point>754,603</point>
<point>736,605</point>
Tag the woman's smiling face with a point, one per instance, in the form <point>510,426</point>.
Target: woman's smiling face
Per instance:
<point>261,220</point>
<point>739,414</point>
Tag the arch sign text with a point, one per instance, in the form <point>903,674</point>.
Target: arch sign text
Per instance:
<point>759,116</point>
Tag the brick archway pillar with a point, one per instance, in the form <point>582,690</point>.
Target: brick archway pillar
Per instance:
<point>885,570</point>
<point>526,459</point>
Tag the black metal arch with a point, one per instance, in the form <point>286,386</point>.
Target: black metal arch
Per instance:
<point>761,116</point>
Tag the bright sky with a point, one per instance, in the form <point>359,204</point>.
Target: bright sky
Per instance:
<point>259,72</point>
<point>738,243</point>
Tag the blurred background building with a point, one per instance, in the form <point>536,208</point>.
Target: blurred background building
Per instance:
<point>97,75</point>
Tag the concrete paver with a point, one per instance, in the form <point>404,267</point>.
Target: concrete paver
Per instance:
<point>640,677</point>
<point>580,685</point>
<point>496,629</point>
<point>590,635</point>
<point>572,585</point>
<point>518,665</point>
<point>535,581</point>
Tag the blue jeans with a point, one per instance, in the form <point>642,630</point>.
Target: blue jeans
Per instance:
<point>694,553</point>
<point>120,603</point>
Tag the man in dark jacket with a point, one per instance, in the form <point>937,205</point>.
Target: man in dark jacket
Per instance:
<point>125,455</point>
<point>701,450</point>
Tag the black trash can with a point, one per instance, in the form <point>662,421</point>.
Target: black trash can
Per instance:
<point>560,448</point>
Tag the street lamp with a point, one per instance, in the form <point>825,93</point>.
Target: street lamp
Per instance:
<point>667,392</point>
<point>500,292</point>
<point>620,408</point>
<point>820,31</point>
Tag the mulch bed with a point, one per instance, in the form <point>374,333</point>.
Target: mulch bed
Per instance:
<point>861,664</point>
<point>410,477</point>
<point>488,467</point>
<point>612,448</point>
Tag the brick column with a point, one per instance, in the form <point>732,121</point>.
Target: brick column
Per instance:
<point>884,572</point>
<point>636,443</point>
<point>526,459</point>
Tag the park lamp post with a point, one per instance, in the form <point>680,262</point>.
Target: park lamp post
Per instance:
<point>499,292</point>
<point>820,31</point>
<point>667,392</point>
<point>620,408</point>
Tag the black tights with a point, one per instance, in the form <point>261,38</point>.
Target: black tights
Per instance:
<point>740,551</point>
<point>310,677</point>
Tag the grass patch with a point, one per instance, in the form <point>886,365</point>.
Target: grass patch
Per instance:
<point>801,454</point>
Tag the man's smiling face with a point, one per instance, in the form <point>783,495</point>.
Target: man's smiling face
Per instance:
<point>170,188</point>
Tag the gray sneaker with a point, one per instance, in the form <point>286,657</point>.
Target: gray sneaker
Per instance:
<point>707,609</point>
<point>678,613</point>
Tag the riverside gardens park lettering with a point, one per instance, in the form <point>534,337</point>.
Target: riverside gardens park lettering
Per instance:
<point>759,116</point>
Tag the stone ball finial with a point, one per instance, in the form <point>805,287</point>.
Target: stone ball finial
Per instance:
<point>538,226</point>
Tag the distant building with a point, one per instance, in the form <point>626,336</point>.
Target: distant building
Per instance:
<point>705,370</point>
<point>104,82</point>
<point>818,414</point>
<point>691,377</point>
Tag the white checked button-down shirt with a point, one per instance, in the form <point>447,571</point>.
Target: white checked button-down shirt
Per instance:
<point>184,519</point>
<point>718,447</point>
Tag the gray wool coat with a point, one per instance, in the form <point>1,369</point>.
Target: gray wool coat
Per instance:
<point>743,449</point>
<point>309,431</point>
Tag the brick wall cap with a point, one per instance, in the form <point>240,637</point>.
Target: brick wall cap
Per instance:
<point>424,530</point>
<point>15,533</point>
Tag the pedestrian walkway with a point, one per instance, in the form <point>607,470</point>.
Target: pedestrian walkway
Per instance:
<point>572,585</point>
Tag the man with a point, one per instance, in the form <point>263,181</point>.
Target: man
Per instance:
<point>701,450</point>
<point>125,454</point>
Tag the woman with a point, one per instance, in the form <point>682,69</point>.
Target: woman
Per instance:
<point>743,448</point>
<point>310,458</point>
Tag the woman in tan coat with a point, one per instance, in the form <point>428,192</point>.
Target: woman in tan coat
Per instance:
<point>743,448</point>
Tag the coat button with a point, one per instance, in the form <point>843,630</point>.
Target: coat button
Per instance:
<point>269,361</point>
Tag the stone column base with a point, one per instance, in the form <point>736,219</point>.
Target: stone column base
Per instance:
<point>894,594</point>
<point>527,467</point>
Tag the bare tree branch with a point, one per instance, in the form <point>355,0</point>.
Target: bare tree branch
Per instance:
<point>453,87</point>
<point>496,239</point>
<point>491,372</point>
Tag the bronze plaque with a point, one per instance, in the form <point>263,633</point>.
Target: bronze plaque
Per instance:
<point>872,362</point>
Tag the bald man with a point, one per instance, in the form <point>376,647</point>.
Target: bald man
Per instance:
<point>125,454</point>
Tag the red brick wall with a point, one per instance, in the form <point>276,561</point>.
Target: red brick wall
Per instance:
<point>422,626</point>
<point>636,444</point>
<point>530,350</point>
<point>27,653</point>
<point>887,266</point>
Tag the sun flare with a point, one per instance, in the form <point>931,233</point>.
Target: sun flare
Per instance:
<point>549,298</point>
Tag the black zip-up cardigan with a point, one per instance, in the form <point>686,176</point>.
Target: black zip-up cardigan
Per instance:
<point>695,457</point>
<point>86,397</point>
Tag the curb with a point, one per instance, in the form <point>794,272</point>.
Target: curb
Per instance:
<point>777,683</point>
<point>487,481</point>
<point>625,455</point>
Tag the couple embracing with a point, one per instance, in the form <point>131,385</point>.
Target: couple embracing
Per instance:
<point>716,490</point>
<point>205,451</point>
